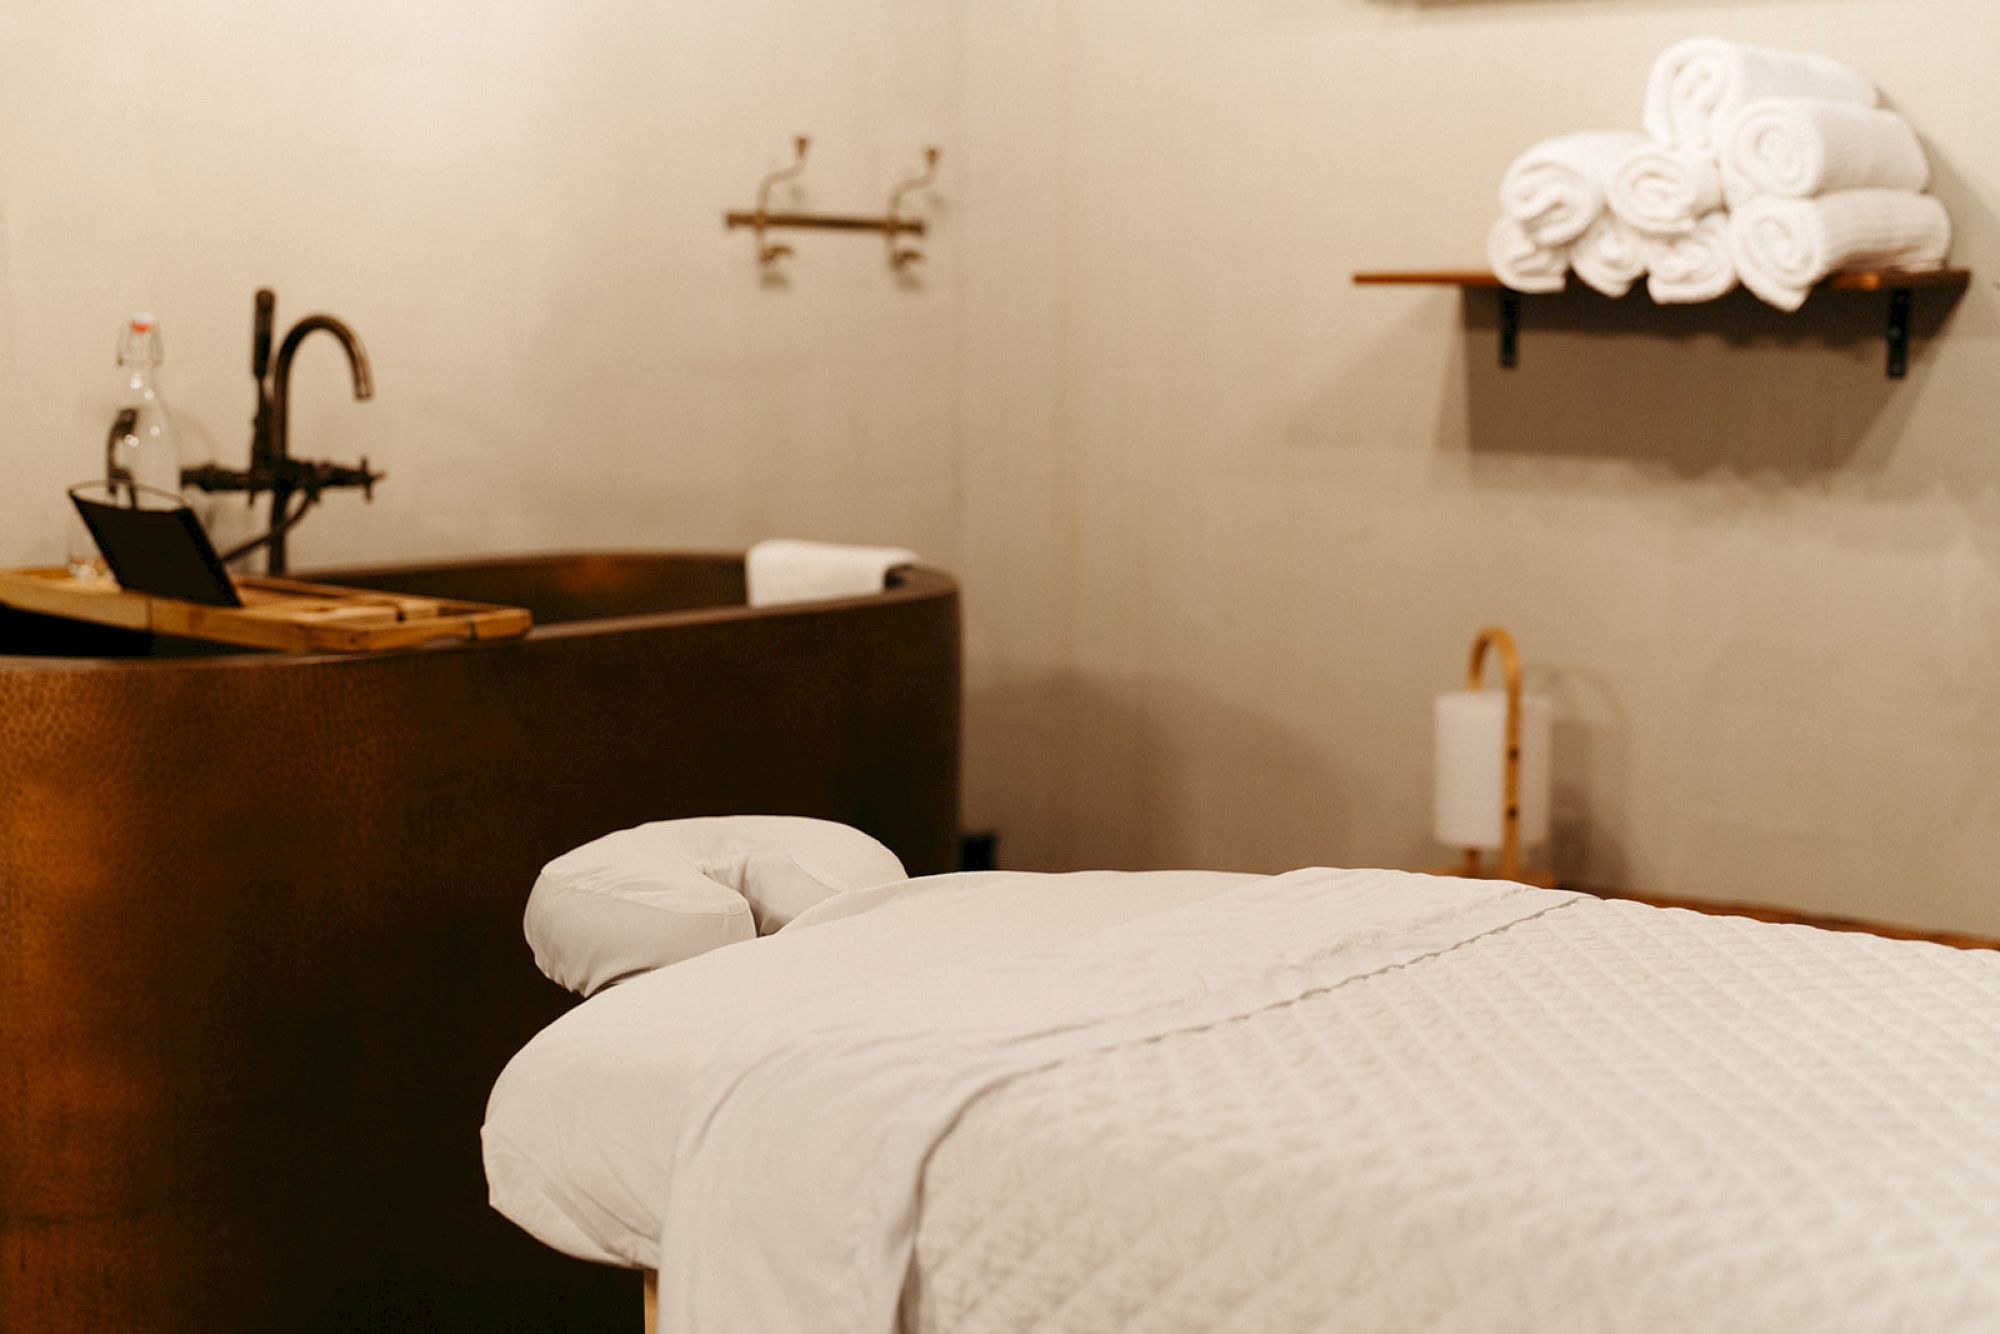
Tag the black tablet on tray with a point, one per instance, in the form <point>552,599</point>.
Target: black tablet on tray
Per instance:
<point>154,543</point>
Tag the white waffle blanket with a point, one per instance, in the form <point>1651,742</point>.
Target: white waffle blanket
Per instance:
<point>1365,1101</point>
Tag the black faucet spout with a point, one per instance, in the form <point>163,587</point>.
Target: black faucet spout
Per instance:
<point>281,373</point>
<point>276,451</point>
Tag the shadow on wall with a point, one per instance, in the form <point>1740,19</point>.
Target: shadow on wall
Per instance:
<point>1122,774</point>
<point>1732,384</point>
<point>1592,777</point>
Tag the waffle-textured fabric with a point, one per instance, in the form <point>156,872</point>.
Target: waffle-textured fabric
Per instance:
<point>1607,1118</point>
<point>1783,247</point>
<point>1362,1101</point>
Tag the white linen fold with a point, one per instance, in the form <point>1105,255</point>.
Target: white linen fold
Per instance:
<point>1799,147</point>
<point>580,1130</point>
<point>1664,190</point>
<point>1610,256</point>
<point>1523,265</point>
<point>1698,85</point>
<point>1694,267</point>
<point>1556,189</point>
<point>1783,247</point>
<point>798,1171</point>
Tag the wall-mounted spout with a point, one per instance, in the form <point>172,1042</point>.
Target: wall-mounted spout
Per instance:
<point>279,443</point>
<point>272,467</point>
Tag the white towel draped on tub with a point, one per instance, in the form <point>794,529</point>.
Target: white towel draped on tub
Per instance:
<point>1609,256</point>
<point>1801,147</point>
<point>1698,85</point>
<point>1523,265</point>
<point>1556,189</point>
<point>791,571</point>
<point>1664,190</point>
<point>1695,267</point>
<point>1782,247</point>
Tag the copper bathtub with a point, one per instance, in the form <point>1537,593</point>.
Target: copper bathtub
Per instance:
<point>260,947</point>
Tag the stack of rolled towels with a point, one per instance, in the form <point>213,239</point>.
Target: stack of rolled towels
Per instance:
<point>1769,168</point>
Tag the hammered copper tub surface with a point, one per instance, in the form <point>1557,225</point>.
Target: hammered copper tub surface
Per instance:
<point>260,945</point>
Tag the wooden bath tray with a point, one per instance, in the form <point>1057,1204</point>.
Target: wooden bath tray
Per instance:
<point>281,614</point>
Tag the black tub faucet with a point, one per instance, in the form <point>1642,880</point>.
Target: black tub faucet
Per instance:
<point>272,467</point>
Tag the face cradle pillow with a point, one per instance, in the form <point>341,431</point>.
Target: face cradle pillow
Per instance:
<point>643,898</point>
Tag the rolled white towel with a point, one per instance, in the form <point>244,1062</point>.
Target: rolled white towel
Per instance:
<point>1523,265</point>
<point>1801,147</point>
<point>1697,85</point>
<point>1664,190</point>
<point>1782,247</point>
<point>1610,256</point>
<point>1736,192</point>
<point>1556,189</point>
<point>1695,267</point>
<point>785,570</point>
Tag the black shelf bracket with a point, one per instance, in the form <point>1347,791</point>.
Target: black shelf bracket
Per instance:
<point>1510,329</point>
<point>1898,285</point>
<point>1899,332</point>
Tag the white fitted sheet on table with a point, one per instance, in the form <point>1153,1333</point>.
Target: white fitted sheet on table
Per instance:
<point>1351,1099</point>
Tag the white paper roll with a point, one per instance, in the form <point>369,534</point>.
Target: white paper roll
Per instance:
<point>1471,769</point>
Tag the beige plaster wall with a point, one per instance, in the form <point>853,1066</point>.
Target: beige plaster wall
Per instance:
<point>1225,521</point>
<point>1232,522</point>
<point>517,204</point>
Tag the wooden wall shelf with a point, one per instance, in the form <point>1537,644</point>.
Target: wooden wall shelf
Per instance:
<point>1898,283</point>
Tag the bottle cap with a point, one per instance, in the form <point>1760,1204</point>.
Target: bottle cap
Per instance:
<point>140,342</point>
